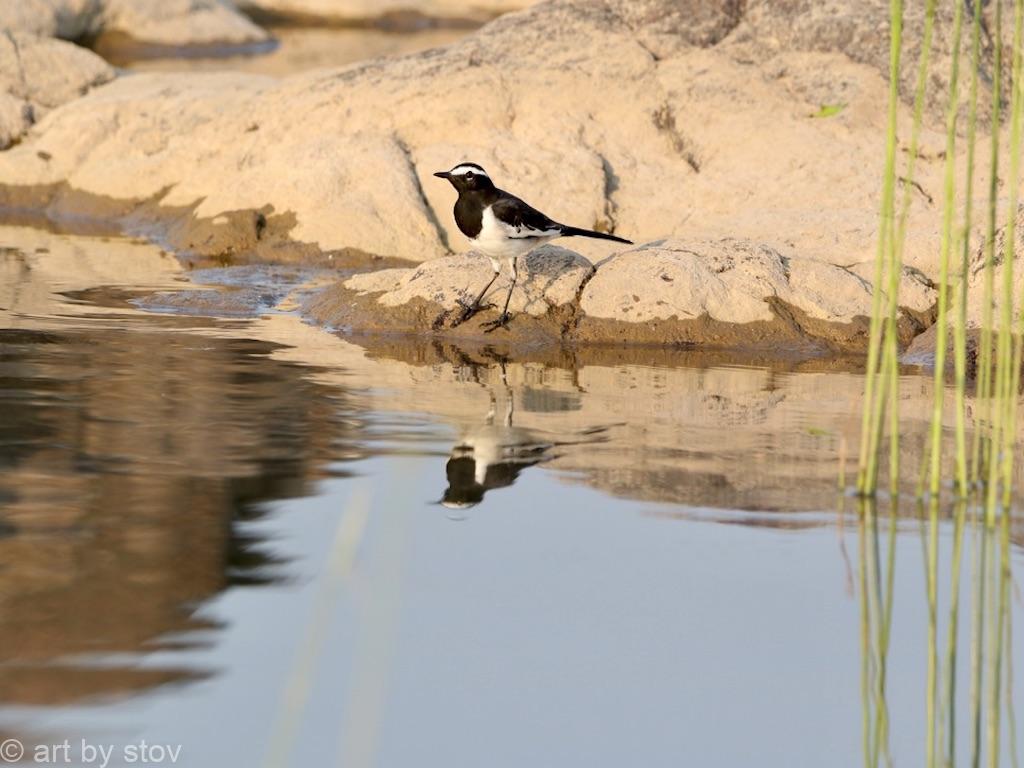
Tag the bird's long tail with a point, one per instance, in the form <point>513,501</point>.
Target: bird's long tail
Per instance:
<point>576,232</point>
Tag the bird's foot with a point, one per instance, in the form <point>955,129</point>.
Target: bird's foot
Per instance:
<point>501,322</point>
<point>469,309</point>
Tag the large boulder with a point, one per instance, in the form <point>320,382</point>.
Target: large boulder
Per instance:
<point>38,74</point>
<point>725,293</point>
<point>735,292</point>
<point>728,280</point>
<point>180,22</point>
<point>162,22</point>
<point>66,19</point>
<point>637,117</point>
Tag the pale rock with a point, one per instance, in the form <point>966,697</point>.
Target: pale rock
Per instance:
<point>38,74</point>
<point>860,31</point>
<point>66,19</point>
<point>180,22</point>
<point>162,22</point>
<point>15,119</point>
<point>728,280</point>
<point>548,277</point>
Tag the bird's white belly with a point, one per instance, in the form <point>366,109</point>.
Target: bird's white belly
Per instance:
<point>502,241</point>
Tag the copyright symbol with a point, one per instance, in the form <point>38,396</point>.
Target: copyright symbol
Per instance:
<point>11,751</point>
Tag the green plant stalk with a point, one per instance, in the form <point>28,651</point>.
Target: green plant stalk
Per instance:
<point>1012,375</point>
<point>945,248</point>
<point>875,430</point>
<point>1011,715</point>
<point>1004,409</point>
<point>895,266</point>
<point>978,574</point>
<point>875,603</point>
<point>864,484</point>
<point>932,587</point>
<point>876,626</point>
<point>886,629</point>
<point>959,519</point>
<point>960,328</point>
<point>865,645</point>
<point>938,399</point>
<point>892,367</point>
<point>995,660</point>
<point>983,448</point>
<point>1005,580</point>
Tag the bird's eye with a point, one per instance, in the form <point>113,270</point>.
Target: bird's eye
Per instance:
<point>469,175</point>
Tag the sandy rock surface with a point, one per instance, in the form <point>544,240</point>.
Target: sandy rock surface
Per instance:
<point>38,74</point>
<point>860,31</point>
<point>728,280</point>
<point>161,22</point>
<point>976,272</point>
<point>685,148</point>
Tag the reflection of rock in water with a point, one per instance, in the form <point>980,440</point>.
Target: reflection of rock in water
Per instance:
<point>700,428</point>
<point>129,462</point>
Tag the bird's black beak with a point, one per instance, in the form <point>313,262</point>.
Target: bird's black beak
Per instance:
<point>443,175</point>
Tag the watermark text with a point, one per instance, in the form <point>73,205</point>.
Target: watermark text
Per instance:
<point>85,752</point>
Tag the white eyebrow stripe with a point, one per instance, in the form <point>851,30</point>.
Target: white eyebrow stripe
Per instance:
<point>461,170</point>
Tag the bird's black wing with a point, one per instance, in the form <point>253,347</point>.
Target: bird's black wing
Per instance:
<point>523,220</point>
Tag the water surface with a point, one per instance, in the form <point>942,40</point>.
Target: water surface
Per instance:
<point>265,544</point>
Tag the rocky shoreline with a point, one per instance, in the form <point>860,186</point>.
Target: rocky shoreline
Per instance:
<point>740,152</point>
<point>716,294</point>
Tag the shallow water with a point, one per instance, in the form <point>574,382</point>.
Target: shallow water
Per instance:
<point>222,533</point>
<point>292,49</point>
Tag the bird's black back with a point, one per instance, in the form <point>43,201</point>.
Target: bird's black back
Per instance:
<point>469,211</point>
<point>511,210</point>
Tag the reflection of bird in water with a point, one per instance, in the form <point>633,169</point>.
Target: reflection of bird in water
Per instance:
<point>490,456</point>
<point>493,454</point>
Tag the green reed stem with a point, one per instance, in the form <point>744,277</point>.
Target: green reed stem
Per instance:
<point>1013,386</point>
<point>867,464</point>
<point>1007,354</point>
<point>945,248</point>
<point>865,643</point>
<point>886,631</point>
<point>1011,713</point>
<point>877,414</point>
<point>895,265</point>
<point>933,611</point>
<point>959,523</point>
<point>960,328</point>
<point>1005,581</point>
<point>876,630</point>
<point>1001,591</point>
<point>983,448</point>
<point>979,570</point>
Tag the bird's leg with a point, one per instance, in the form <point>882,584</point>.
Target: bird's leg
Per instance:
<point>504,317</point>
<point>470,309</point>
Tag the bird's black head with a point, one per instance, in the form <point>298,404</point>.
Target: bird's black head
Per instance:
<point>463,490</point>
<point>467,177</point>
